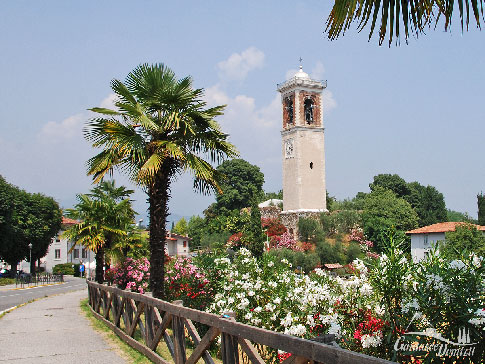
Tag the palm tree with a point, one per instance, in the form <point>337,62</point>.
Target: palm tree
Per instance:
<point>160,127</point>
<point>103,215</point>
<point>414,15</point>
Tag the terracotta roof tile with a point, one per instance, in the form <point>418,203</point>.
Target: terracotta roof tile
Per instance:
<point>441,227</point>
<point>68,221</point>
<point>333,266</point>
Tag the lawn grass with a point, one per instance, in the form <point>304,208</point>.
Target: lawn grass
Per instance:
<point>133,355</point>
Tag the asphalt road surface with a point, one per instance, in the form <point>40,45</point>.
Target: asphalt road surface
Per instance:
<point>13,297</point>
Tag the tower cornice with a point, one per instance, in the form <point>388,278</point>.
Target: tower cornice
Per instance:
<point>297,82</point>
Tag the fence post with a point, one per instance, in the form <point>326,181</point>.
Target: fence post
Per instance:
<point>179,337</point>
<point>229,344</point>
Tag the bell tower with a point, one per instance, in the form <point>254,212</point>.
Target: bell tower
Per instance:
<point>304,190</point>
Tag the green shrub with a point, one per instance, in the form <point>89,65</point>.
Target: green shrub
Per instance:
<point>353,251</point>
<point>64,268</point>
<point>329,253</point>
<point>340,222</point>
<point>307,261</point>
<point>5,281</point>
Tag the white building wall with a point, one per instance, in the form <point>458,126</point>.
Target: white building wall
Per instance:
<point>422,243</point>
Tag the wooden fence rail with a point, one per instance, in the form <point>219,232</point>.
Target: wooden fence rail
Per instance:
<point>125,311</point>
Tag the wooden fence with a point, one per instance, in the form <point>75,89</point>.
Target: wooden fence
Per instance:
<point>125,311</point>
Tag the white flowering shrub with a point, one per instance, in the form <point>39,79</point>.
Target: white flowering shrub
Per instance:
<point>267,293</point>
<point>367,311</point>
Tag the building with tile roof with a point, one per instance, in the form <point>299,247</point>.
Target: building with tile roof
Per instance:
<point>423,238</point>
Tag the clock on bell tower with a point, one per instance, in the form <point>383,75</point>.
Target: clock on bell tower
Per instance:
<point>303,151</point>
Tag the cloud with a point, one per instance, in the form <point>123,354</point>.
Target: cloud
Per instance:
<point>64,130</point>
<point>317,71</point>
<point>238,65</point>
<point>329,102</point>
<point>290,73</point>
<point>109,102</point>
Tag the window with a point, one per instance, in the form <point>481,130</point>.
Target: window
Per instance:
<point>311,165</point>
<point>84,253</point>
<point>289,110</point>
<point>185,244</point>
<point>57,254</point>
<point>308,110</point>
<point>426,240</point>
<point>76,253</point>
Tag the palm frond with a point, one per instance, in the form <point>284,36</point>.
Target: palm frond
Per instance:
<point>414,15</point>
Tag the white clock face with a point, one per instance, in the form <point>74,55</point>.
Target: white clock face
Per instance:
<point>289,148</point>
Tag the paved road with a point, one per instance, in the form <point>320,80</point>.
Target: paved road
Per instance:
<point>53,330</point>
<point>10,297</point>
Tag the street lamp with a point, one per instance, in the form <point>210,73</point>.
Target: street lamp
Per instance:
<point>30,257</point>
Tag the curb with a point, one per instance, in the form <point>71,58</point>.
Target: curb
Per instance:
<point>8,310</point>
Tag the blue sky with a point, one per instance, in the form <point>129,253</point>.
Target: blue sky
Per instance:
<point>415,110</point>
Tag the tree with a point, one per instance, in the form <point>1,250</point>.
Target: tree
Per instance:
<point>481,209</point>
<point>253,236</point>
<point>308,228</point>
<point>458,216</point>
<point>180,227</point>
<point>465,238</point>
<point>196,228</point>
<point>160,128</point>
<point>43,223</point>
<point>243,183</point>
<point>391,182</point>
<point>415,16</point>
<point>25,219</point>
<point>428,203</point>
<point>104,217</point>
<point>384,211</point>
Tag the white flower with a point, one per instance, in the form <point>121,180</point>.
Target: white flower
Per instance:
<point>258,309</point>
<point>270,263</point>
<point>319,272</point>
<point>380,310</point>
<point>476,261</point>
<point>250,293</point>
<point>284,261</point>
<point>243,304</point>
<point>457,264</point>
<point>359,264</point>
<point>269,307</point>
<point>371,340</point>
<point>479,318</point>
<point>334,329</point>
<point>366,289</point>
<point>298,330</point>
<point>272,284</point>
<point>287,321</point>
<point>248,316</point>
<point>277,301</point>
<point>310,320</point>
<point>245,276</point>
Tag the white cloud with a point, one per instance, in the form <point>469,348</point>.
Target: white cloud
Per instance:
<point>317,71</point>
<point>64,130</point>
<point>238,65</point>
<point>329,102</point>
<point>290,73</point>
<point>109,102</point>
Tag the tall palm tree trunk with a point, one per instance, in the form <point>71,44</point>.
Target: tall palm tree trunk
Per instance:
<point>159,195</point>
<point>100,265</point>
